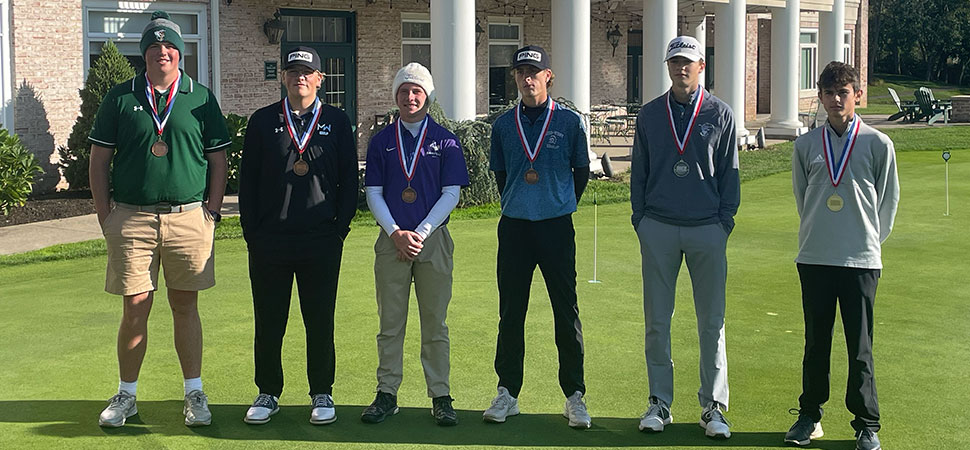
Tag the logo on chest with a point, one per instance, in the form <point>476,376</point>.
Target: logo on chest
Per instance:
<point>554,139</point>
<point>323,129</point>
<point>139,108</point>
<point>706,129</point>
<point>433,149</point>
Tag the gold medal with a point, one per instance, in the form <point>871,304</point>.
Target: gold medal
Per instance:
<point>835,203</point>
<point>409,195</point>
<point>531,176</point>
<point>159,148</point>
<point>300,167</point>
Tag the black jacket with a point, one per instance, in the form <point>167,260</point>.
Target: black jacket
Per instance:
<point>281,211</point>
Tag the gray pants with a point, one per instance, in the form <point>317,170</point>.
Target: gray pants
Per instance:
<point>662,248</point>
<point>431,273</point>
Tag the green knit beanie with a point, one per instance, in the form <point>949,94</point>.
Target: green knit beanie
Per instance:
<point>162,29</point>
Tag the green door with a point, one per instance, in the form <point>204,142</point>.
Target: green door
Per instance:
<point>331,34</point>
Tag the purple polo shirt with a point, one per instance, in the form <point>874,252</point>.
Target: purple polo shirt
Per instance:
<point>441,163</point>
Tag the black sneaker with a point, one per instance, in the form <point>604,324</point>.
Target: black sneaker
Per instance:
<point>803,431</point>
<point>384,405</point>
<point>442,411</point>
<point>867,439</point>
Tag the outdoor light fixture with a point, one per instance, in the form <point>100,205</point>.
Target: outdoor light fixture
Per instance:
<point>479,31</point>
<point>274,28</point>
<point>614,36</point>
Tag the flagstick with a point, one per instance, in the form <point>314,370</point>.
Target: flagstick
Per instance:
<point>947,184</point>
<point>595,234</point>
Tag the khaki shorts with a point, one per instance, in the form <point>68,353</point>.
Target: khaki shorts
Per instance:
<point>138,242</point>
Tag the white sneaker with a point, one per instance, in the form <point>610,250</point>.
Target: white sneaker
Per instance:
<point>503,405</point>
<point>263,407</point>
<point>196,409</point>
<point>714,423</point>
<point>323,411</point>
<point>575,411</point>
<point>656,416</point>
<point>120,408</point>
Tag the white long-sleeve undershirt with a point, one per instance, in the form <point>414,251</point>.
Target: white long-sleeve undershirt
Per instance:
<point>439,212</point>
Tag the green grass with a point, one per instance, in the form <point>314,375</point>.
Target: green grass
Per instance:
<point>59,331</point>
<point>880,102</point>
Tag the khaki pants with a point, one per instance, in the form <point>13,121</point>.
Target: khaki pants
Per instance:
<point>431,273</point>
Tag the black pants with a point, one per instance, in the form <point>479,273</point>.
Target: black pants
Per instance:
<point>550,244</point>
<point>855,292</point>
<point>272,282</point>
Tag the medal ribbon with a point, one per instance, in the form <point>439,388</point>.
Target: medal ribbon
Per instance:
<point>301,141</point>
<point>837,168</point>
<point>172,92</point>
<point>402,156</point>
<point>682,144</point>
<point>533,153</point>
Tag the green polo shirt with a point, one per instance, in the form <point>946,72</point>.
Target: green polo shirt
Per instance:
<point>195,127</point>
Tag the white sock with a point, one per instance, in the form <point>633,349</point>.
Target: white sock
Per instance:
<point>193,384</point>
<point>130,388</point>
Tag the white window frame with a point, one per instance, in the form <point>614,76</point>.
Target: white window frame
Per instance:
<point>498,20</point>
<point>420,18</point>
<point>847,47</point>
<point>814,49</point>
<point>6,79</point>
<point>201,39</point>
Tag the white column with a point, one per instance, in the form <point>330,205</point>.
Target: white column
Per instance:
<point>697,26</point>
<point>453,57</point>
<point>659,27</point>
<point>570,51</point>
<point>216,81</point>
<point>784,121</point>
<point>729,34</point>
<point>831,29</point>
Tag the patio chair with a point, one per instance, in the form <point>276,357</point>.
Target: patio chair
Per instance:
<point>907,110</point>
<point>810,118</point>
<point>930,110</point>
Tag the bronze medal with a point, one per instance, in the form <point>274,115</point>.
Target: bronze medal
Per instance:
<point>409,195</point>
<point>300,167</point>
<point>159,148</point>
<point>531,176</point>
<point>835,203</point>
<point>681,169</point>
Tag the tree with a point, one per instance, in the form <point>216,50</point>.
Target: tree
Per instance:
<point>110,69</point>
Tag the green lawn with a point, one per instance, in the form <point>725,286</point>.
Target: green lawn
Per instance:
<point>59,328</point>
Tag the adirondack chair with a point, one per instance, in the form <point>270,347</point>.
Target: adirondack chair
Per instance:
<point>930,110</point>
<point>810,118</point>
<point>907,110</point>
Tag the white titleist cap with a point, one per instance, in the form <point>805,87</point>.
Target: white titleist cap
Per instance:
<point>685,46</point>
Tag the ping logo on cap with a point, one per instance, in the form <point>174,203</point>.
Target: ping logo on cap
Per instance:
<point>532,55</point>
<point>300,56</point>
<point>160,35</point>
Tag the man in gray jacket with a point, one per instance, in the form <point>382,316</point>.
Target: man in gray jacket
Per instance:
<point>685,191</point>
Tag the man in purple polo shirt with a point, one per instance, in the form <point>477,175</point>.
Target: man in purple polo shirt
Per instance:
<point>415,169</point>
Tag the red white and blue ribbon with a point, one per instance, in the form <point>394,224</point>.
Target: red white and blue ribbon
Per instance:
<point>682,143</point>
<point>301,141</point>
<point>409,166</point>
<point>837,167</point>
<point>161,120</point>
<point>533,152</point>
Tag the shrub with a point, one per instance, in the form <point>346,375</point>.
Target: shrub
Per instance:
<point>237,133</point>
<point>110,69</point>
<point>17,171</point>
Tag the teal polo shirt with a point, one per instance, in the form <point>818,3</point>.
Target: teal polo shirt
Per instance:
<point>195,127</point>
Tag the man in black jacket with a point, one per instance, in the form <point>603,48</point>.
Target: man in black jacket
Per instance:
<point>297,196</point>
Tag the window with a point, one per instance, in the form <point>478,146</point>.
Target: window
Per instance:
<point>315,29</point>
<point>808,59</point>
<point>123,22</point>
<point>504,38</point>
<point>416,39</point>
<point>847,47</point>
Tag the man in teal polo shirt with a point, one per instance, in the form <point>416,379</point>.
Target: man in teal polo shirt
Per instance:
<point>163,139</point>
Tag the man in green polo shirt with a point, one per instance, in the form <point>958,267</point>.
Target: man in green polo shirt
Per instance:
<point>163,139</point>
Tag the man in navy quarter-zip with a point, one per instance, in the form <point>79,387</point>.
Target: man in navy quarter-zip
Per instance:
<point>685,191</point>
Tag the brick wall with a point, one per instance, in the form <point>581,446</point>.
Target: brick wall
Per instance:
<point>860,38</point>
<point>607,76</point>
<point>764,66</point>
<point>961,108</point>
<point>47,73</point>
<point>750,70</point>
